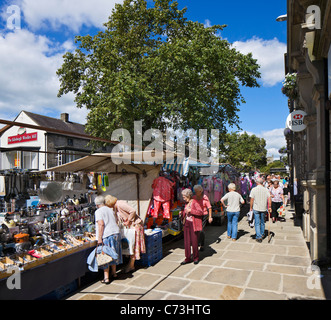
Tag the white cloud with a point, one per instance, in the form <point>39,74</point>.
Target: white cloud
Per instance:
<point>275,140</point>
<point>71,13</point>
<point>269,55</point>
<point>207,23</point>
<point>28,77</point>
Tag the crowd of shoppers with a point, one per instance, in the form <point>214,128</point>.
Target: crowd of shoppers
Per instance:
<point>267,195</point>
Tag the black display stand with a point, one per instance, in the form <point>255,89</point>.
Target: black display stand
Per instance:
<point>45,278</point>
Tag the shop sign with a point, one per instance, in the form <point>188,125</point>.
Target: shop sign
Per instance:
<point>295,121</point>
<point>26,137</point>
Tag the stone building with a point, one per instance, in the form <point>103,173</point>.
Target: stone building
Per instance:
<point>32,149</point>
<point>309,55</point>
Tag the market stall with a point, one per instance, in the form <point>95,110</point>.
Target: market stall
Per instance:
<point>51,225</point>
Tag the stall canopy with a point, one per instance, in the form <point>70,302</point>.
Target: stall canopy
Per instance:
<point>129,179</point>
<point>183,167</point>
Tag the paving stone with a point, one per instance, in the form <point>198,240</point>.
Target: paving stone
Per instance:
<point>247,265</point>
<point>145,280</point>
<point>250,294</point>
<point>247,247</point>
<point>286,269</point>
<point>247,256</point>
<point>204,290</point>
<point>91,297</point>
<point>298,251</point>
<point>231,293</point>
<point>171,284</point>
<point>199,273</point>
<point>265,280</point>
<point>112,289</point>
<point>228,276</point>
<point>154,295</point>
<point>179,297</point>
<point>290,260</point>
<point>223,245</point>
<point>211,261</point>
<point>286,242</point>
<point>162,268</point>
<point>301,286</point>
<point>267,248</point>
<point>184,270</point>
<point>131,294</point>
<point>173,257</point>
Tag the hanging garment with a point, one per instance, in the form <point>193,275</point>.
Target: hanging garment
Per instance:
<point>207,186</point>
<point>218,188</point>
<point>243,187</point>
<point>163,189</point>
<point>161,208</point>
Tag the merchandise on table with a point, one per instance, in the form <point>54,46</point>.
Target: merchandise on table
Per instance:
<point>34,231</point>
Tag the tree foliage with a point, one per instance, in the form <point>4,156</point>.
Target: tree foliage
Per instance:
<point>244,151</point>
<point>153,64</point>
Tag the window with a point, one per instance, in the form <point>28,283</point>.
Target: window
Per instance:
<point>30,160</point>
<point>11,160</point>
<point>65,156</point>
<point>70,142</point>
<point>20,160</point>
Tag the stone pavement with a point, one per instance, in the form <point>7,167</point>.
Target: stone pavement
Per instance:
<point>241,270</point>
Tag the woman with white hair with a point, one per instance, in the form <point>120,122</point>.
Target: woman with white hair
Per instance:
<point>107,234</point>
<point>234,199</point>
<point>204,202</point>
<point>192,220</point>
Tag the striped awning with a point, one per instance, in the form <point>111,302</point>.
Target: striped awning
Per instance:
<point>182,166</point>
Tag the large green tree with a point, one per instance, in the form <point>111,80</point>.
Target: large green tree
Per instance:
<point>244,151</point>
<point>153,64</point>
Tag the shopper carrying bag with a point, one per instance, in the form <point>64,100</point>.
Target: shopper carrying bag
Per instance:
<point>108,235</point>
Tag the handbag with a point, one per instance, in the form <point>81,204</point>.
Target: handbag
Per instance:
<point>128,240</point>
<point>102,258</point>
<point>184,213</point>
<point>281,211</point>
<point>128,237</point>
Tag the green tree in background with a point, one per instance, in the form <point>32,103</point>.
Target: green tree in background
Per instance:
<point>244,151</point>
<point>153,64</point>
<point>276,164</point>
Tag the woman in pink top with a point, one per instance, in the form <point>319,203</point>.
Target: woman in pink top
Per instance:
<point>128,217</point>
<point>192,220</point>
<point>204,202</point>
<point>277,199</point>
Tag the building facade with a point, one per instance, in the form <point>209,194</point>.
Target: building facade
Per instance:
<point>309,55</point>
<point>30,149</point>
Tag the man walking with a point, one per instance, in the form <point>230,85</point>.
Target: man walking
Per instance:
<point>260,204</point>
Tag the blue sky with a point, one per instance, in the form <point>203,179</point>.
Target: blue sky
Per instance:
<point>31,55</point>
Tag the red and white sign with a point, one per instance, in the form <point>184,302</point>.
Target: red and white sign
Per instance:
<point>295,121</point>
<point>297,116</point>
<point>26,137</point>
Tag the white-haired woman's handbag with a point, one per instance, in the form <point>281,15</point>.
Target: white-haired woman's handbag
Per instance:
<point>102,258</point>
